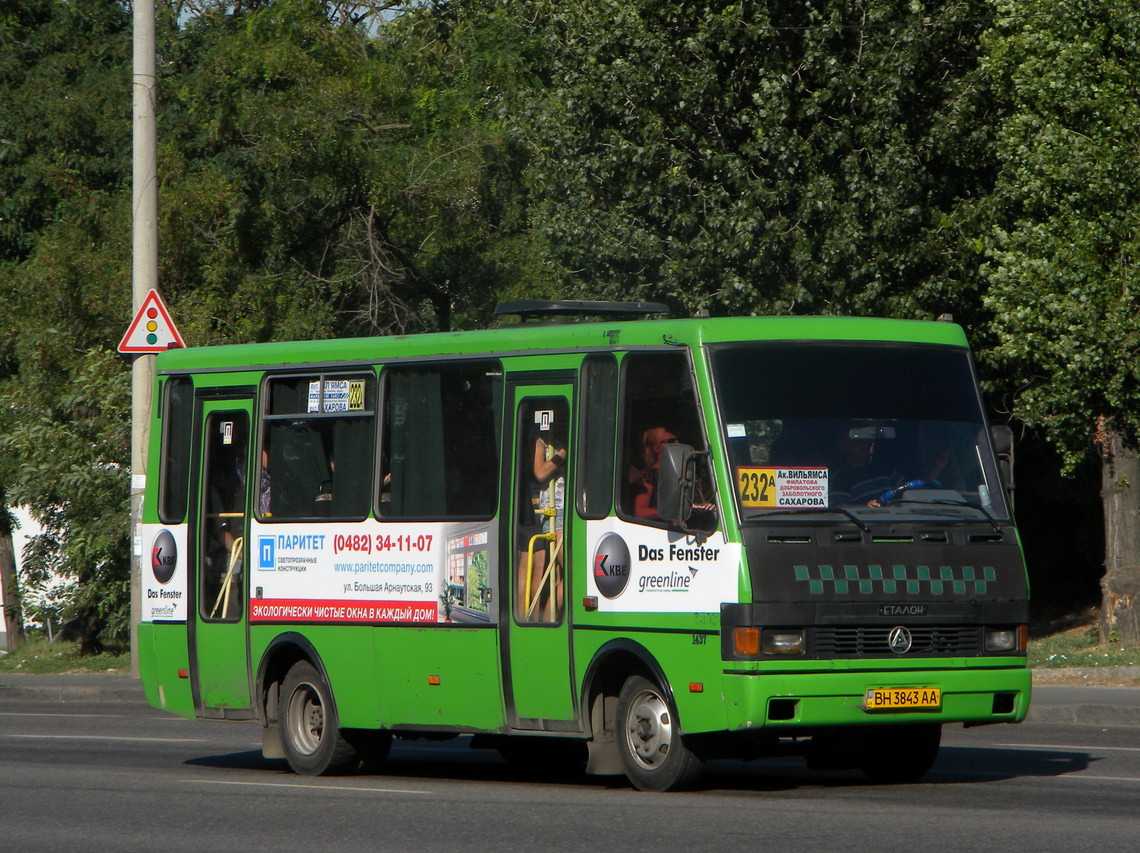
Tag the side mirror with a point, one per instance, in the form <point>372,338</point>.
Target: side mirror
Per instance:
<point>1002,438</point>
<point>675,484</point>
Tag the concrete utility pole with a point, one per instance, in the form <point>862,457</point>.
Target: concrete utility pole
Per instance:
<point>144,277</point>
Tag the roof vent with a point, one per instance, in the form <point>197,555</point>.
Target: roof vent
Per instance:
<point>527,309</point>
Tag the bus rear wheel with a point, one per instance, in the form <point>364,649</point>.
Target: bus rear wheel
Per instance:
<point>649,739</point>
<point>314,745</point>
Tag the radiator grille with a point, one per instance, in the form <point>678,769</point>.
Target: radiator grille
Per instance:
<point>867,641</point>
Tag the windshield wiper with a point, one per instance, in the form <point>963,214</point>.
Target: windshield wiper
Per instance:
<point>862,525</point>
<point>956,502</point>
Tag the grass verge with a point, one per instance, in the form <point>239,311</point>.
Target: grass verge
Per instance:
<point>1078,647</point>
<point>37,655</point>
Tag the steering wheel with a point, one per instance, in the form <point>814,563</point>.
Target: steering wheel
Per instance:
<point>896,493</point>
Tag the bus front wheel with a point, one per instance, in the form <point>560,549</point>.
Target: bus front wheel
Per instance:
<point>314,745</point>
<point>653,752</point>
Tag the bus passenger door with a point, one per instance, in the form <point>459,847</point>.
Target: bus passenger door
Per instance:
<point>219,648</point>
<point>539,689</point>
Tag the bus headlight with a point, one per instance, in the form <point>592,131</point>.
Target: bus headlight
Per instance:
<point>784,641</point>
<point>1006,639</point>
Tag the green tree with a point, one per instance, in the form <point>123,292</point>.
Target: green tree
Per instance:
<point>64,155</point>
<point>324,177</point>
<point>761,156</point>
<point>1064,287</point>
<point>327,169</point>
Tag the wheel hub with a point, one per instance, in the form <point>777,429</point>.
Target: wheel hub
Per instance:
<point>649,731</point>
<point>306,719</point>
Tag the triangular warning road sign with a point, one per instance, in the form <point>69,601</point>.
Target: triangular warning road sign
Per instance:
<point>152,330</point>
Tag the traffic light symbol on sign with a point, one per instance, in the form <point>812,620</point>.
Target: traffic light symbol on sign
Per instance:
<point>151,326</point>
<point>152,330</point>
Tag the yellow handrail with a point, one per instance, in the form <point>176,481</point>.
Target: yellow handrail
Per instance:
<point>224,593</point>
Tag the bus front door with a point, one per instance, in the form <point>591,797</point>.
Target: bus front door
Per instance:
<point>219,659</point>
<point>538,686</point>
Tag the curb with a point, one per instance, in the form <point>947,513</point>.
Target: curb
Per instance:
<point>80,687</point>
<point>1085,715</point>
<point>74,694</point>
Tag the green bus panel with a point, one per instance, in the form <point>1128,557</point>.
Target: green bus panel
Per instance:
<point>438,676</point>
<point>540,673</point>
<point>690,663</point>
<point>222,668</point>
<point>386,677</point>
<point>540,338</point>
<point>346,654</point>
<point>162,656</point>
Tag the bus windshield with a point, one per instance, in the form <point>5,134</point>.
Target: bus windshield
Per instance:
<point>873,430</point>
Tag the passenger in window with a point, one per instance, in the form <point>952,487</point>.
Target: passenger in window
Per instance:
<point>548,496</point>
<point>264,486</point>
<point>226,511</point>
<point>643,480</point>
<point>643,476</point>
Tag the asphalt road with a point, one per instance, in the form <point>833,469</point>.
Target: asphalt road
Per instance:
<point>120,776</point>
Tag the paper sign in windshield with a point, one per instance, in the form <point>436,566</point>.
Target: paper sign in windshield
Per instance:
<point>781,487</point>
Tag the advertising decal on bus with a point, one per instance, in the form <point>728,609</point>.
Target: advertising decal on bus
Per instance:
<point>350,572</point>
<point>371,572</point>
<point>164,584</point>
<point>640,569</point>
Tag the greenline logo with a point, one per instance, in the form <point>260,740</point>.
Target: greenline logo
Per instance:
<point>611,565</point>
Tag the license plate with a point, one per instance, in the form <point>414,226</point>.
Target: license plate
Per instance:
<point>903,699</point>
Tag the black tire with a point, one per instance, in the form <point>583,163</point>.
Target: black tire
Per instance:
<point>372,747</point>
<point>310,733</point>
<point>649,739</point>
<point>894,755</point>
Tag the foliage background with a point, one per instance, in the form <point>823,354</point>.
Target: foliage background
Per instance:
<point>336,168</point>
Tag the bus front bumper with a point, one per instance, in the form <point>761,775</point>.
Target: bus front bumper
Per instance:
<point>819,700</point>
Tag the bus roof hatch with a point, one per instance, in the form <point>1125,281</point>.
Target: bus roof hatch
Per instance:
<point>546,308</point>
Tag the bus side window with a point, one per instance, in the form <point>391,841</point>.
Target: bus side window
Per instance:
<point>659,407</point>
<point>317,447</point>
<point>177,426</point>
<point>597,426</point>
<point>440,445</point>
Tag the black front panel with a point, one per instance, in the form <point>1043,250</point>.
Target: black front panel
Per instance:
<point>849,589</point>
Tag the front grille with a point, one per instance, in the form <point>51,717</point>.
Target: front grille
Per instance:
<point>867,641</point>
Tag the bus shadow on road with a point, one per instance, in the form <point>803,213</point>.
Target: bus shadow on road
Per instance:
<point>955,766</point>
<point>447,761</point>
<point>984,764</point>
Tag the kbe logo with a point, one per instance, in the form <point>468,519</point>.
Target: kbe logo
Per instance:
<point>163,557</point>
<point>611,565</point>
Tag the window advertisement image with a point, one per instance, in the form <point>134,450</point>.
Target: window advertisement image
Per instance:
<point>372,572</point>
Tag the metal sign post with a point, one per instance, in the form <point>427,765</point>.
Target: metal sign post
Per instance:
<point>144,277</point>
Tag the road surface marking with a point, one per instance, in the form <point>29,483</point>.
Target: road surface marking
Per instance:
<point>113,737</point>
<point>301,786</point>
